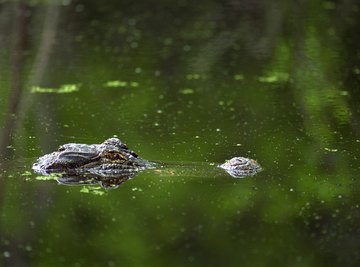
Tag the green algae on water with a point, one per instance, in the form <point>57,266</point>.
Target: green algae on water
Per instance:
<point>187,91</point>
<point>120,84</point>
<point>46,178</point>
<point>63,89</point>
<point>276,77</point>
<point>95,190</point>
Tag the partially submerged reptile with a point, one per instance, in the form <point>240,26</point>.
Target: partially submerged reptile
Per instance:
<point>113,161</point>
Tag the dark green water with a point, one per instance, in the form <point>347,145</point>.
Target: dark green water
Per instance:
<point>183,82</point>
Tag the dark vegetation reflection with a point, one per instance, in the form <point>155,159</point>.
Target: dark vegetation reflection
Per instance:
<point>275,81</point>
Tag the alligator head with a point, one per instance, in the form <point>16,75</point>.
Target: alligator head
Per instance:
<point>111,155</point>
<point>240,167</point>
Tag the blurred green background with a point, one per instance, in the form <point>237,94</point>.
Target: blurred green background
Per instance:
<point>204,81</point>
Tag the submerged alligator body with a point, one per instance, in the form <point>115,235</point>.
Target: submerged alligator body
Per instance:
<point>114,161</point>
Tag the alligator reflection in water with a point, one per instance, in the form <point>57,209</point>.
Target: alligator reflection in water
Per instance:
<point>107,182</point>
<point>112,163</point>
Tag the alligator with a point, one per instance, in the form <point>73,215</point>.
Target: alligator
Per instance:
<point>111,163</point>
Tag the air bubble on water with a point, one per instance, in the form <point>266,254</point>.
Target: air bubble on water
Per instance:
<point>6,254</point>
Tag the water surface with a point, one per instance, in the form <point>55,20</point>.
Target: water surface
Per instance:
<point>179,82</point>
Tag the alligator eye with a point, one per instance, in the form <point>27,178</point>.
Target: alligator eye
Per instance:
<point>61,148</point>
<point>124,146</point>
<point>115,156</point>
